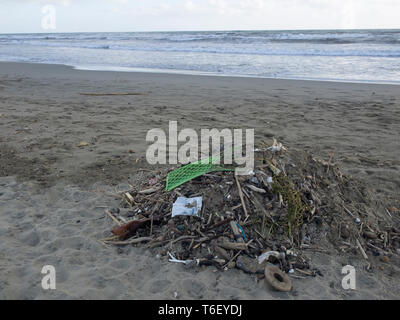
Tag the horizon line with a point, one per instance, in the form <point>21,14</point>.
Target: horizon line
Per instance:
<point>205,30</point>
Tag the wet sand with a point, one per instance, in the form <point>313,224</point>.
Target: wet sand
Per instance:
<point>53,192</point>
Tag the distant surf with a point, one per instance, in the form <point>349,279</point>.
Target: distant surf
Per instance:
<point>339,55</point>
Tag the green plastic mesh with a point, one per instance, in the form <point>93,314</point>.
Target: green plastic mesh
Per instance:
<point>191,171</point>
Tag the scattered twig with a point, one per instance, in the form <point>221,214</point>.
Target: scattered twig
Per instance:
<point>113,218</point>
<point>131,241</point>
<point>330,160</point>
<point>361,249</point>
<point>241,197</point>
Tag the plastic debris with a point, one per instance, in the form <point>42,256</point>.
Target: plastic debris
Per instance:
<point>277,146</point>
<point>153,181</point>
<point>243,217</point>
<point>265,256</point>
<point>186,262</point>
<point>244,234</point>
<point>191,171</point>
<point>187,206</point>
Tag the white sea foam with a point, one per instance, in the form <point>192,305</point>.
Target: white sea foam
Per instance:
<point>370,55</point>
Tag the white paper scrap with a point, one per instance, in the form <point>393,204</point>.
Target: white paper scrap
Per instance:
<point>187,206</point>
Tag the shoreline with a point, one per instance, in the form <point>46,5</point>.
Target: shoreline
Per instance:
<point>199,73</point>
<point>194,73</point>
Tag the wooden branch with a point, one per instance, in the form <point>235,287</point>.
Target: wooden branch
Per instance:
<point>218,224</point>
<point>148,191</point>
<point>330,160</point>
<point>132,241</point>
<point>151,225</point>
<point>129,197</point>
<point>349,212</point>
<point>183,238</point>
<point>241,197</point>
<point>113,218</point>
<point>361,249</point>
<point>254,188</point>
<point>233,246</point>
<point>237,254</point>
<point>234,257</point>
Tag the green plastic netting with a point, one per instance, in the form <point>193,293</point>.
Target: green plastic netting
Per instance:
<point>191,171</point>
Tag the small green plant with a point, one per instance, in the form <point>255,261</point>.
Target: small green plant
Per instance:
<point>296,208</point>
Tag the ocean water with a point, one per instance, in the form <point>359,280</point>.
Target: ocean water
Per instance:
<point>338,55</point>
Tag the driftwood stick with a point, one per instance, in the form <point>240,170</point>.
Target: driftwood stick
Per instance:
<point>218,224</point>
<point>148,191</point>
<point>129,197</point>
<point>233,246</point>
<point>349,212</point>
<point>109,238</point>
<point>183,238</point>
<point>191,245</point>
<point>241,197</point>
<point>237,254</point>
<point>209,218</point>
<point>234,257</point>
<point>303,272</point>
<point>202,240</point>
<point>157,244</point>
<point>254,188</point>
<point>361,249</point>
<point>330,160</point>
<point>151,225</point>
<point>113,218</point>
<point>198,245</point>
<point>377,248</point>
<point>132,241</point>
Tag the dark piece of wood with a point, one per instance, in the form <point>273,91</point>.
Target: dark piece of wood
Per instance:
<point>218,224</point>
<point>233,245</point>
<point>128,229</point>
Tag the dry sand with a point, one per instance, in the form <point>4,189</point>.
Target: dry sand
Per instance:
<point>53,193</point>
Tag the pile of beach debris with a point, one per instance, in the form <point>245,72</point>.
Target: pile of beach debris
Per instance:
<point>290,202</point>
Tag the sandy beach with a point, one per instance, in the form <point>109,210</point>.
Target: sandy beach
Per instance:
<point>53,192</point>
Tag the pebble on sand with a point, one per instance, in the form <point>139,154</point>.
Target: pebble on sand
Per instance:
<point>385,259</point>
<point>83,144</point>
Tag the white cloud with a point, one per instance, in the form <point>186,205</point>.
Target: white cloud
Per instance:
<point>138,15</point>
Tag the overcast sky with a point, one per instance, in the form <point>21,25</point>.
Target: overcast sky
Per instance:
<point>167,15</point>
